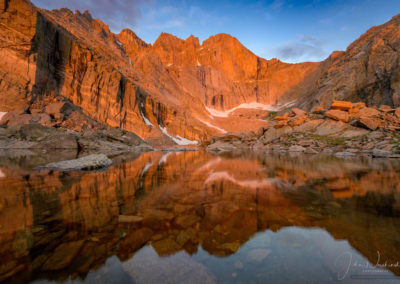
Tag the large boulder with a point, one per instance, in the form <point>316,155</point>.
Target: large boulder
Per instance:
<point>20,117</point>
<point>221,146</point>
<point>368,123</point>
<point>274,133</point>
<point>341,105</point>
<point>369,112</point>
<point>91,162</point>
<point>299,112</point>
<point>338,115</point>
<point>59,110</point>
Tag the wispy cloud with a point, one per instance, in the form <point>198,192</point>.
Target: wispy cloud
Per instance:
<point>162,18</point>
<point>116,13</point>
<point>277,4</point>
<point>306,48</point>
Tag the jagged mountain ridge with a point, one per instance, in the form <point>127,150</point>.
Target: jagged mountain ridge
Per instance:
<point>157,91</point>
<point>122,81</point>
<point>367,71</point>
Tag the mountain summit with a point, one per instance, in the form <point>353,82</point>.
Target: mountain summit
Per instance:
<point>177,91</point>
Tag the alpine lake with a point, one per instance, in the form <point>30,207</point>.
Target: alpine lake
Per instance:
<point>196,217</point>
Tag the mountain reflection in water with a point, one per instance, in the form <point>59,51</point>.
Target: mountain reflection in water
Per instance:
<point>197,218</point>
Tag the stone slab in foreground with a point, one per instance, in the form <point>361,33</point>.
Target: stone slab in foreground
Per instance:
<point>87,163</point>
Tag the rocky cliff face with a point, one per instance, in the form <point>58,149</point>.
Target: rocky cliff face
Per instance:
<point>367,71</point>
<point>176,91</point>
<point>154,91</point>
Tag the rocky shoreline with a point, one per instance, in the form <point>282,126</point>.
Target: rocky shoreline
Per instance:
<point>346,129</point>
<point>61,125</point>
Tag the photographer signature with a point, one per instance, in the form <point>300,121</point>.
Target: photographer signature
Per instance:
<point>347,259</point>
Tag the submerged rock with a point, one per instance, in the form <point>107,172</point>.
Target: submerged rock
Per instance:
<point>91,162</point>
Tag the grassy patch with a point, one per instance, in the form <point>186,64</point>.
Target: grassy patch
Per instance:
<point>330,141</point>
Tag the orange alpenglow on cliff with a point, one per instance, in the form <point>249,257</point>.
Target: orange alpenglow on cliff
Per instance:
<point>177,91</point>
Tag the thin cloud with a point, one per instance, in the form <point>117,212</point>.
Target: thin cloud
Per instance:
<point>306,48</point>
<point>116,13</point>
<point>277,4</point>
<point>295,51</point>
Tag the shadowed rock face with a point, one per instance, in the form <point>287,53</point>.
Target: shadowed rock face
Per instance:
<point>180,201</point>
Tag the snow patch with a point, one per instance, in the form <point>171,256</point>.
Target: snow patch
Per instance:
<point>164,158</point>
<point>170,64</point>
<point>212,126</point>
<point>146,120</point>
<point>178,139</point>
<point>243,183</point>
<point>198,63</point>
<point>2,114</point>
<point>119,43</point>
<point>209,165</point>
<point>2,174</point>
<point>146,168</point>
<point>252,105</point>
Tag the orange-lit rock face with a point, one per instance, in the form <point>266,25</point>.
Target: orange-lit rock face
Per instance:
<point>367,71</point>
<point>124,82</point>
<point>165,88</point>
<point>180,201</point>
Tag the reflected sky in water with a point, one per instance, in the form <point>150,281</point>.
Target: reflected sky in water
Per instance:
<point>199,218</point>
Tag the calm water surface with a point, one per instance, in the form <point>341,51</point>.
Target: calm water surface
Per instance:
<point>200,218</point>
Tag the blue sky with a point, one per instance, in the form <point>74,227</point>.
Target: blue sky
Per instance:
<point>291,30</point>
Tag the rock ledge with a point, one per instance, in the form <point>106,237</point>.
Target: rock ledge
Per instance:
<point>87,163</point>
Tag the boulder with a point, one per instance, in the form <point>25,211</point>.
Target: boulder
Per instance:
<point>369,112</point>
<point>338,115</point>
<point>261,130</point>
<point>299,112</point>
<point>283,117</point>
<point>91,162</point>
<point>250,135</point>
<point>368,123</point>
<point>341,105</point>
<point>358,105</point>
<point>18,119</point>
<point>296,148</point>
<point>221,146</point>
<point>298,120</point>
<point>56,109</point>
<point>42,118</point>
<point>14,118</point>
<point>318,110</point>
<point>6,117</point>
<point>309,125</point>
<point>229,136</point>
<point>386,108</point>
<point>311,150</point>
<point>274,133</point>
<point>330,127</point>
<point>281,124</point>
